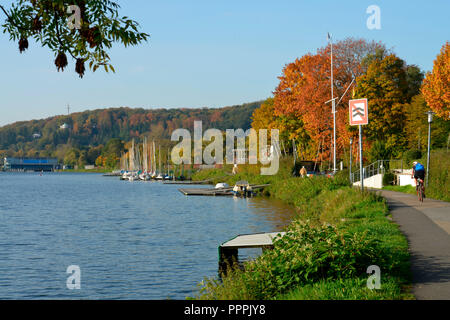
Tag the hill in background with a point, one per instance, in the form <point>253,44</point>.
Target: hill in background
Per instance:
<point>90,131</point>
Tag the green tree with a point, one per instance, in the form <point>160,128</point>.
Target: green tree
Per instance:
<point>386,87</point>
<point>378,151</point>
<point>93,153</point>
<point>414,77</point>
<point>416,126</point>
<point>71,157</point>
<point>82,159</point>
<point>112,152</point>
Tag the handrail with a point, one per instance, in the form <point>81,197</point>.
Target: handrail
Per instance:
<point>378,167</point>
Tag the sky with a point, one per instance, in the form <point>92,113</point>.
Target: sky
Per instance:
<point>211,53</point>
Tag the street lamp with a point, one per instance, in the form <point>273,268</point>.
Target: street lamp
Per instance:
<point>430,120</point>
<point>350,166</point>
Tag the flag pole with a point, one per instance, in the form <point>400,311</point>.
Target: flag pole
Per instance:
<point>333,106</point>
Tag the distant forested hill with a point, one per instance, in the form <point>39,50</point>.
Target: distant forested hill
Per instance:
<point>93,129</point>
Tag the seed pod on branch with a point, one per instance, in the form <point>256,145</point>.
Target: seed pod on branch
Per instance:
<point>79,68</point>
<point>23,44</point>
<point>61,61</point>
<point>94,32</point>
<point>90,35</point>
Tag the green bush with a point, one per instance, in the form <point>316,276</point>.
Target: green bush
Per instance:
<point>439,175</point>
<point>412,155</point>
<point>306,254</point>
<point>342,178</point>
<point>337,235</point>
<point>388,178</point>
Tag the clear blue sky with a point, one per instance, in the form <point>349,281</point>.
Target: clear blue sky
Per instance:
<point>212,53</point>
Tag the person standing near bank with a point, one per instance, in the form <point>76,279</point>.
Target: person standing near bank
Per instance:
<point>303,172</point>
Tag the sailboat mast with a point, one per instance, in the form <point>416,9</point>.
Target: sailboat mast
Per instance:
<point>154,157</point>
<point>168,163</point>
<point>159,157</point>
<point>132,161</point>
<point>145,155</point>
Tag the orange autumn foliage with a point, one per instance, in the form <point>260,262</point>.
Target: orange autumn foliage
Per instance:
<point>305,86</point>
<point>436,85</point>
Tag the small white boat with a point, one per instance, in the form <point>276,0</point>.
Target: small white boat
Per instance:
<point>221,186</point>
<point>145,176</point>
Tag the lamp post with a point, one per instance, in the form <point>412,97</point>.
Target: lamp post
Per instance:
<point>430,119</point>
<point>350,165</point>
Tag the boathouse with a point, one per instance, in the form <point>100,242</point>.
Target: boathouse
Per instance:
<point>30,164</point>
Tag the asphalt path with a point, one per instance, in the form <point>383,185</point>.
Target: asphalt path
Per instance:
<point>426,225</point>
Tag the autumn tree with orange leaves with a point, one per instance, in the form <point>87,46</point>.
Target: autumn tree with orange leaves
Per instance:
<point>436,86</point>
<point>305,87</point>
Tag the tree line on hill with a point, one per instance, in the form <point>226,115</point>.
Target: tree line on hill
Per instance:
<point>81,138</point>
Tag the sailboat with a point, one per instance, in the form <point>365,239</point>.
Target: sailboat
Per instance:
<point>159,176</point>
<point>124,166</point>
<point>132,175</point>
<point>168,177</point>
<point>145,174</point>
<point>153,174</point>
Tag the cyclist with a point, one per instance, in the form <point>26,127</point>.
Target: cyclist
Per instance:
<point>418,173</point>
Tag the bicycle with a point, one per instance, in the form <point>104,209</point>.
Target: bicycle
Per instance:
<point>420,190</point>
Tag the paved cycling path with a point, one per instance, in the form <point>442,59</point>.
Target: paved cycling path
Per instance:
<point>427,228</point>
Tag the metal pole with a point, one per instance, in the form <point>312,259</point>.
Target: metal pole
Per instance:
<point>361,174</point>
<point>430,119</point>
<point>334,109</point>
<point>350,166</point>
<point>428,155</point>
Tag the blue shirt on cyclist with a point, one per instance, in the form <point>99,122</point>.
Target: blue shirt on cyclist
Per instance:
<point>418,171</point>
<point>418,167</point>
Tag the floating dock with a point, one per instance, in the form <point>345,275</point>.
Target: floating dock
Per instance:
<point>228,251</point>
<point>215,192</point>
<point>206,192</point>
<point>187,182</point>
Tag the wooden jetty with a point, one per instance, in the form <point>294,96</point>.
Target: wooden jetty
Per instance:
<point>206,192</point>
<point>228,251</point>
<point>112,174</point>
<point>215,192</point>
<point>183,182</point>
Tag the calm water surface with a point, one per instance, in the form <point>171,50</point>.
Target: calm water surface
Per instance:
<point>131,240</point>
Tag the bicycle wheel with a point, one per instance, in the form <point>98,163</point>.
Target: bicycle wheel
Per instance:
<point>420,192</point>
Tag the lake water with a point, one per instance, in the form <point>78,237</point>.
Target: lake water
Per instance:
<point>131,240</point>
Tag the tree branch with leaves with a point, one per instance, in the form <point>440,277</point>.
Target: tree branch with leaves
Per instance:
<point>47,22</point>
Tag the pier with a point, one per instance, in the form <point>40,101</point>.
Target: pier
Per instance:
<point>228,251</point>
<point>184,182</point>
<point>215,192</point>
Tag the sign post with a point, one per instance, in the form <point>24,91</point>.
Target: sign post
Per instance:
<point>359,116</point>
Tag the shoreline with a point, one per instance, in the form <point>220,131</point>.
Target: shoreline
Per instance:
<point>319,203</point>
